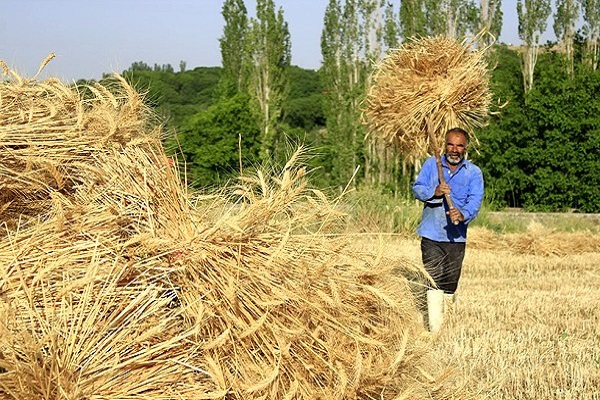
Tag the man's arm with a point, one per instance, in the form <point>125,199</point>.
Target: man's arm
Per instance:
<point>474,196</point>
<point>424,188</point>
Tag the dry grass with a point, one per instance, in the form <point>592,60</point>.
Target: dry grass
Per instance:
<point>537,240</point>
<point>115,283</point>
<point>424,88</point>
<point>527,325</point>
<point>51,138</point>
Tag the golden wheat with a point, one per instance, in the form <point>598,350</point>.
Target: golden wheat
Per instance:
<point>116,283</point>
<point>424,88</point>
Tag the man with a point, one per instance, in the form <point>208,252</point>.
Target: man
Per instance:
<point>443,230</point>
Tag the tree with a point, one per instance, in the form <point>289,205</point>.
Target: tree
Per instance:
<point>412,18</point>
<point>435,15</point>
<point>356,34</point>
<point>303,107</point>
<point>175,96</point>
<point>490,20</point>
<point>540,151</point>
<point>451,18</point>
<point>139,66</point>
<point>269,47</point>
<point>565,18</point>
<point>467,18</point>
<point>591,16</point>
<point>351,74</point>
<point>391,27</point>
<point>533,15</point>
<point>334,52</point>
<point>210,141</point>
<point>371,28</point>
<point>352,41</point>
<point>233,78</point>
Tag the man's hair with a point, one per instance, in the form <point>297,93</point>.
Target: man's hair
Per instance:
<point>461,131</point>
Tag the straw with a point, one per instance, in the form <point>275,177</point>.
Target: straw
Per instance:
<point>429,84</point>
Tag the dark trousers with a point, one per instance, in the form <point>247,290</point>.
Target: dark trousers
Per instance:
<point>443,261</point>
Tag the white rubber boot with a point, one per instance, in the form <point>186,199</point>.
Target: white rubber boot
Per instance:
<point>435,309</point>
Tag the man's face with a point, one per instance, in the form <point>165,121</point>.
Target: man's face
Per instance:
<point>456,144</point>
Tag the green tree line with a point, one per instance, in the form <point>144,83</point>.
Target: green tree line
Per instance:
<point>539,150</point>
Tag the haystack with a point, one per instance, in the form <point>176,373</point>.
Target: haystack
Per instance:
<point>117,283</point>
<point>424,88</point>
<point>538,240</point>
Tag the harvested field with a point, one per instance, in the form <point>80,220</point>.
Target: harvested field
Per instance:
<point>527,324</point>
<point>117,283</point>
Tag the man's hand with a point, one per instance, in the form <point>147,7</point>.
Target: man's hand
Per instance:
<point>442,189</point>
<point>455,215</point>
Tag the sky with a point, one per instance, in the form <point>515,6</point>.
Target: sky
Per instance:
<point>92,37</point>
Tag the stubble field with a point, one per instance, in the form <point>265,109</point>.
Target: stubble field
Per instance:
<point>527,326</point>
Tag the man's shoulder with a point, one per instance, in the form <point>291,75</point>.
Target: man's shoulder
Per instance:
<point>429,163</point>
<point>472,166</point>
<point>473,171</point>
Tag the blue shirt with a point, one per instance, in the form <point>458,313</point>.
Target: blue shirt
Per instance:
<point>466,192</point>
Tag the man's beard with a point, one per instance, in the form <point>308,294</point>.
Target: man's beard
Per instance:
<point>454,160</point>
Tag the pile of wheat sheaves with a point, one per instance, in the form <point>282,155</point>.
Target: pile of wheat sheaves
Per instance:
<point>116,282</point>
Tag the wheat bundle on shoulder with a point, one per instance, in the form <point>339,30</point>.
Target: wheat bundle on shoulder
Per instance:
<point>425,87</point>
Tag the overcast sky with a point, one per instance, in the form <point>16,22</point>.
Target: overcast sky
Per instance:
<point>91,37</point>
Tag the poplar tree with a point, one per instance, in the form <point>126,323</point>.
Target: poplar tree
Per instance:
<point>566,16</point>
<point>377,27</point>
<point>391,27</point>
<point>591,16</point>
<point>354,38</point>
<point>533,15</point>
<point>339,48</point>
<point>388,157</point>
<point>490,20</point>
<point>452,9</point>
<point>435,17</point>
<point>412,18</point>
<point>450,18</point>
<point>371,28</point>
<point>352,43</point>
<point>232,43</point>
<point>331,51</point>
<point>269,50</point>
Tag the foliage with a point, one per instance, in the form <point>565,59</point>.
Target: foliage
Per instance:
<point>533,16</point>
<point>567,14</point>
<point>175,95</point>
<point>591,29</point>
<point>233,43</point>
<point>210,141</point>
<point>541,151</point>
<point>490,17</point>
<point>303,107</point>
<point>269,57</point>
<point>412,18</point>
